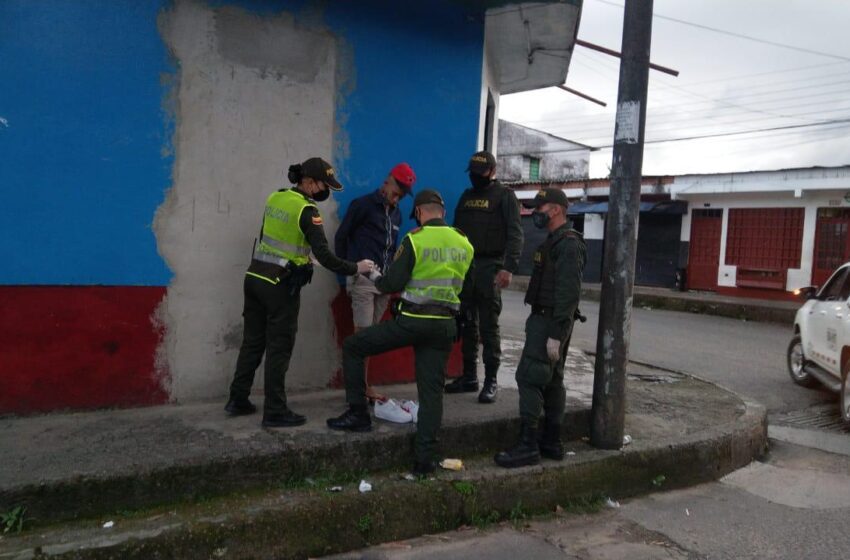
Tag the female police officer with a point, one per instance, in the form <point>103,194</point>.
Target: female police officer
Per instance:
<point>292,228</point>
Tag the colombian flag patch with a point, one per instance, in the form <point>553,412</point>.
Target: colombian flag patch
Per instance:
<point>317,220</point>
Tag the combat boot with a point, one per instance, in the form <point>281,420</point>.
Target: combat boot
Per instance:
<point>355,419</point>
<point>550,441</point>
<point>239,407</point>
<point>464,384</point>
<point>525,452</point>
<point>489,390</point>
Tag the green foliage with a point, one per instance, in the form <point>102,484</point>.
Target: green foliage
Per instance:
<point>364,524</point>
<point>484,521</point>
<point>13,520</point>
<point>584,504</point>
<point>658,480</point>
<point>464,488</point>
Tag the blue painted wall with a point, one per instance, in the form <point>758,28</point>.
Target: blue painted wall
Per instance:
<point>86,148</point>
<point>83,168</point>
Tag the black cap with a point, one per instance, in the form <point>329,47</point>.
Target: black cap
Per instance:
<point>481,162</point>
<point>427,196</point>
<point>320,170</point>
<point>554,196</point>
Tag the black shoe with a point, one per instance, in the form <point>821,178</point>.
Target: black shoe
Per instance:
<point>283,420</point>
<point>355,419</point>
<point>549,442</point>
<point>462,384</point>
<point>525,452</point>
<point>488,391</point>
<point>239,407</point>
<point>422,469</point>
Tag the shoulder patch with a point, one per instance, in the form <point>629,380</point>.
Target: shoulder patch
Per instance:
<point>398,252</point>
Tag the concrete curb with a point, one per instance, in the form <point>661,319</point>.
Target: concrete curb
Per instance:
<point>88,496</point>
<point>309,523</point>
<point>746,310</point>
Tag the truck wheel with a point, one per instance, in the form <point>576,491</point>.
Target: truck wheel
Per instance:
<point>796,364</point>
<point>845,397</point>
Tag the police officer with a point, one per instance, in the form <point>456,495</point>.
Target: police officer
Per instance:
<point>429,270</point>
<point>489,214</point>
<point>280,266</point>
<point>553,294</point>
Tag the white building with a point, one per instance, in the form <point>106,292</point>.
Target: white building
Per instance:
<point>527,154</point>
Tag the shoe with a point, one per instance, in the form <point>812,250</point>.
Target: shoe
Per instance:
<point>422,469</point>
<point>488,391</point>
<point>413,408</point>
<point>549,442</point>
<point>525,452</point>
<point>355,419</point>
<point>392,411</point>
<point>462,384</point>
<point>239,407</point>
<point>286,419</point>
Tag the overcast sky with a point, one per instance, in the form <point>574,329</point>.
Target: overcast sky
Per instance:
<point>726,84</point>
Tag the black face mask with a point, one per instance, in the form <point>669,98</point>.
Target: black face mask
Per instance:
<point>479,181</point>
<point>321,195</point>
<point>540,219</point>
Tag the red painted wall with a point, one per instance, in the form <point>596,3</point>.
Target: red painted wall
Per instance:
<point>78,347</point>
<point>392,367</point>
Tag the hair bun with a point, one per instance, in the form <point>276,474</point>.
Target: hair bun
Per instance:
<point>295,174</point>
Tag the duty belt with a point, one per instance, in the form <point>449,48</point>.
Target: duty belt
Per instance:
<point>426,309</point>
<point>543,310</point>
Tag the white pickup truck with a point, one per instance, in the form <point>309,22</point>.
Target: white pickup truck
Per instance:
<point>819,353</point>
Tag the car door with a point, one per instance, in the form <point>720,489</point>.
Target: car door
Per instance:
<point>826,317</point>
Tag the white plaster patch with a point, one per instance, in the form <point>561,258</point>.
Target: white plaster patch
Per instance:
<point>245,112</point>
<point>4,121</point>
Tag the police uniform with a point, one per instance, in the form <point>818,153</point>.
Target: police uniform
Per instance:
<point>489,215</point>
<point>553,294</point>
<point>429,271</point>
<point>280,266</point>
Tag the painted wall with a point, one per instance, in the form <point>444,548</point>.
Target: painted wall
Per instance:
<point>560,159</point>
<point>142,141</point>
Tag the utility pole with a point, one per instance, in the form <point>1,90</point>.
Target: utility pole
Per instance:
<point>615,308</point>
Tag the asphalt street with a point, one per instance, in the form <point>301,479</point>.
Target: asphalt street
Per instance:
<point>793,504</point>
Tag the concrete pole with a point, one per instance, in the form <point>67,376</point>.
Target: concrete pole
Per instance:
<point>615,308</point>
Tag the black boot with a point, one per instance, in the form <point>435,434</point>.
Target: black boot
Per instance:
<point>550,441</point>
<point>285,419</point>
<point>239,407</point>
<point>463,384</point>
<point>421,469</point>
<point>355,419</point>
<point>525,452</point>
<point>489,390</point>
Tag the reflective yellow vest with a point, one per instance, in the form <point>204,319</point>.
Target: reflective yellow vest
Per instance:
<point>282,240</point>
<point>443,255</point>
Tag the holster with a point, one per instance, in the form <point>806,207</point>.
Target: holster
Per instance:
<point>298,276</point>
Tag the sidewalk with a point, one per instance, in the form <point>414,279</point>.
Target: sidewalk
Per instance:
<point>188,482</point>
<point>708,303</point>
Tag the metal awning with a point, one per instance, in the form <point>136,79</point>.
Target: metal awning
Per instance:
<point>670,207</point>
<point>530,44</point>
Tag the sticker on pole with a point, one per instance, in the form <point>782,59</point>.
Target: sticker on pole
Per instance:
<point>628,122</point>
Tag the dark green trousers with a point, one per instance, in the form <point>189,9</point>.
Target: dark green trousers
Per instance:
<point>270,324</point>
<point>483,299</point>
<point>540,381</point>
<point>431,340</point>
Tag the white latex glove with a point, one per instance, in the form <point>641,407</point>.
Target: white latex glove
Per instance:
<point>553,349</point>
<point>365,266</point>
<point>503,278</point>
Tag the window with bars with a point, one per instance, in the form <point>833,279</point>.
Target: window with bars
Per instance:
<point>767,238</point>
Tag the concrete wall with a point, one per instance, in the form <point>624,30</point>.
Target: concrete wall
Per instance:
<point>560,159</point>
<point>141,140</point>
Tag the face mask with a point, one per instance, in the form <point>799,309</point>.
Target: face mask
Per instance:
<point>540,219</point>
<point>479,181</point>
<point>321,195</point>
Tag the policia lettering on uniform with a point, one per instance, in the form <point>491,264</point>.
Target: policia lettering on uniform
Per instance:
<point>280,267</point>
<point>429,271</point>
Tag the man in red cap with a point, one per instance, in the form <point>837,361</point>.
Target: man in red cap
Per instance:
<point>370,227</point>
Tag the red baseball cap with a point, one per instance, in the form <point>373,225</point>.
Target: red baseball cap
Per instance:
<point>404,176</point>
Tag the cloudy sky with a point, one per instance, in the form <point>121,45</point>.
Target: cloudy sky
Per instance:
<point>727,84</point>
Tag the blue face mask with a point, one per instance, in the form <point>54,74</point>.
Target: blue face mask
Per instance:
<point>540,219</point>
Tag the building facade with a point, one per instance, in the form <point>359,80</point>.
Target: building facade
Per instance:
<point>140,142</point>
<point>527,154</point>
